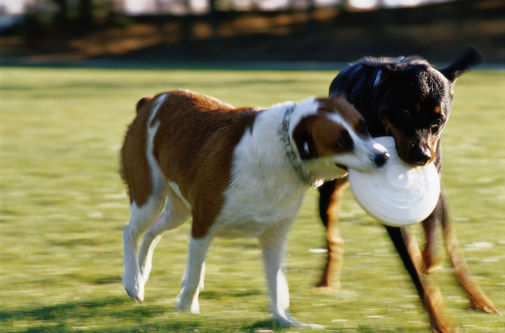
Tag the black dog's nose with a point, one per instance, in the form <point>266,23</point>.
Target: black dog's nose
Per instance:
<point>421,156</point>
<point>380,159</point>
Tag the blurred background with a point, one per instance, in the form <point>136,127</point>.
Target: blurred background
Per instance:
<point>71,72</point>
<point>164,32</point>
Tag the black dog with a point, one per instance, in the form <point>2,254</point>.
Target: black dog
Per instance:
<point>410,100</point>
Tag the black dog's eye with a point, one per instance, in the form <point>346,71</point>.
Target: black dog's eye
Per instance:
<point>437,121</point>
<point>435,125</point>
<point>406,113</point>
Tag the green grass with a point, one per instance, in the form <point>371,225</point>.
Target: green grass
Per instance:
<point>62,207</point>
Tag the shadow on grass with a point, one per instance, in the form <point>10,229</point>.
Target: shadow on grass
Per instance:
<point>73,316</point>
<point>115,314</point>
<point>97,280</point>
<point>268,324</point>
<point>219,295</point>
<point>65,317</point>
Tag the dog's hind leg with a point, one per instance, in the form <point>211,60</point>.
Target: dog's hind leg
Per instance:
<point>175,213</point>
<point>329,207</point>
<point>141,218</point>
<point>478,299</point>
<point>192,281</point>
<point>148,190</point>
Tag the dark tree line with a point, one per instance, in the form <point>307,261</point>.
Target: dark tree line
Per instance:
<point>57,20</point>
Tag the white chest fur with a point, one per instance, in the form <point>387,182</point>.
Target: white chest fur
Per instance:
<point>264,189</point>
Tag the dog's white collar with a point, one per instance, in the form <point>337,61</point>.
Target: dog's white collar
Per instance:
<point>294,158</point>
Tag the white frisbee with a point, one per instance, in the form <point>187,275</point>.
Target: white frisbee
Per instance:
<point>397,194</point>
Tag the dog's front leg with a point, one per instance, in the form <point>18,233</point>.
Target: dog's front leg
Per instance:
<point>428,291</point>
<point>192,281</point>
<point>331,193</point>
<point>431,253</point>
<point>273,246</point>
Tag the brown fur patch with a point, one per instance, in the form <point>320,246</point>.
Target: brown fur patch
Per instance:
<point>336,103</point>
<point>322,135</point>
<point>194,147</point>
<point>141,103</point>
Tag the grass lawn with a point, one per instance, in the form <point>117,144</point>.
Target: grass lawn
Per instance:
<point>62,207</point>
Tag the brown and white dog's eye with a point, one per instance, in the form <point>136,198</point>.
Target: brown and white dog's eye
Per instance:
<point>344,142</point>
<point>362,128</point>
<point>406,113</point>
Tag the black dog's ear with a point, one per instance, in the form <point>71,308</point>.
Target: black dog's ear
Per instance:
<point>385,67</point>
<point>386,70</point>
<point>469,58</point>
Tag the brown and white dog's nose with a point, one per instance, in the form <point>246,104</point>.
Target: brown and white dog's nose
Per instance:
<point>381,158</point>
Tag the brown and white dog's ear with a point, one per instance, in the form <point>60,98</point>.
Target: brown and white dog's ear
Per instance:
<point>302,135</point>
<point>471,57</point>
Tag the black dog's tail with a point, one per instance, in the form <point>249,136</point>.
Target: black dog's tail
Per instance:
<point>470,58</point>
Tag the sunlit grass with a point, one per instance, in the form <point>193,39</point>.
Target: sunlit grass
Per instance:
<point>62,206</point>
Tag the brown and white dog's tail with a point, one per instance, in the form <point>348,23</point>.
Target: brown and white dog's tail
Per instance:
<point>134,168</point>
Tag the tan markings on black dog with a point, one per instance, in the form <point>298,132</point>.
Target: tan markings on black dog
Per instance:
<point>409,81</point>
<point>433,147</point>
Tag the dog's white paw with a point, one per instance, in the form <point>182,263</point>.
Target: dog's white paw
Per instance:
<point>186,304</point>
<point>194,307</point>
<point>134,287</point>
<point>296,323</point>
<point>288,321</point>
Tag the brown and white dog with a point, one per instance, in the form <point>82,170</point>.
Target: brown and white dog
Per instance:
<point>237,172</point>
